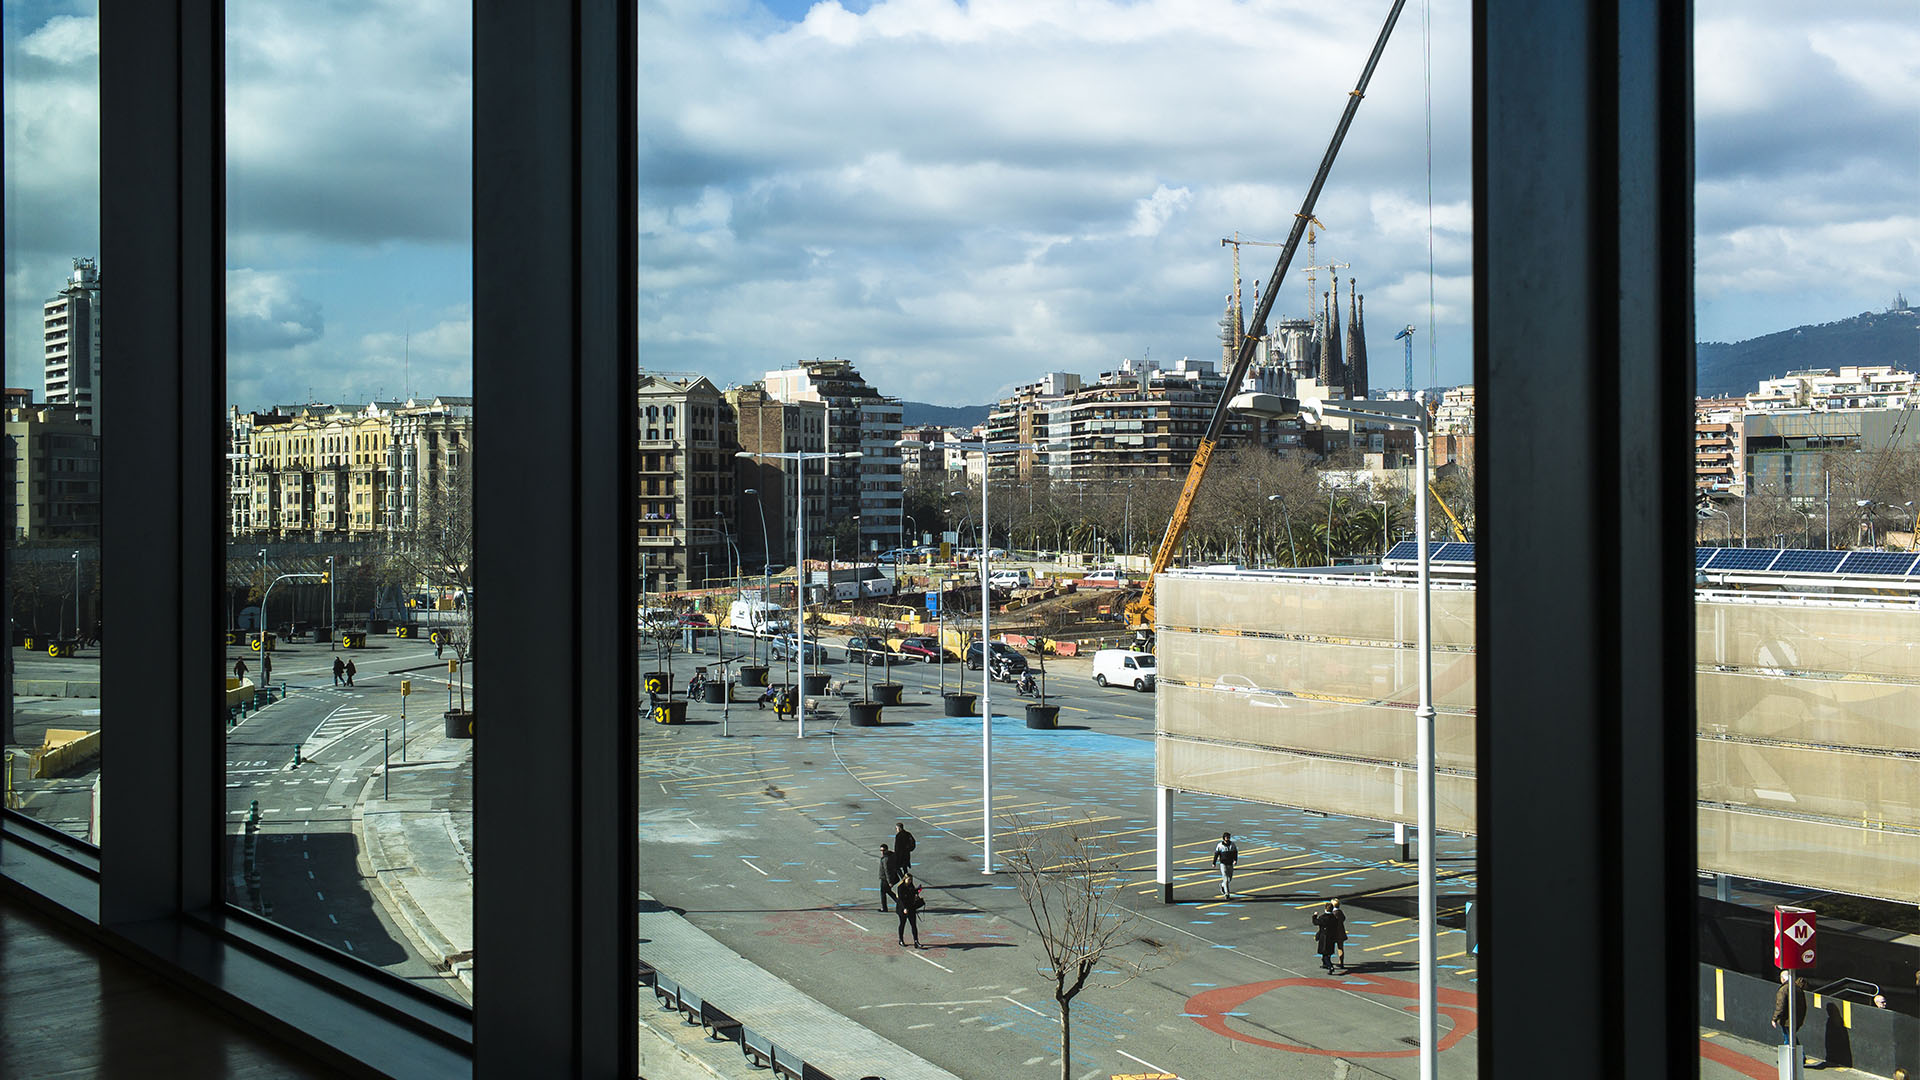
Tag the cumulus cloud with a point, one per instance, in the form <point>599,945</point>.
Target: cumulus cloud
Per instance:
<point>266,311</point>
<point>64,39</point>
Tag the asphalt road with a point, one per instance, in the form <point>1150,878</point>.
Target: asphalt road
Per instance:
<point>309,875</point>
<point>769,843</point>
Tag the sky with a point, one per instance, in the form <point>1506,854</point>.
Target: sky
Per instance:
<point>956,197</point>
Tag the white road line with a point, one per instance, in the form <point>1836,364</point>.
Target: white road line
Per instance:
<point>1035,1011</point>
<point>837,915</point>
<point>1142,1061</point>
<point>935,963</point>
<point>763,873</point>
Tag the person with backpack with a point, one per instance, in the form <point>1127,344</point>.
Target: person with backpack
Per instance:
<point>907,898</point>
<point>903,844</point>
<point>1225,854</point>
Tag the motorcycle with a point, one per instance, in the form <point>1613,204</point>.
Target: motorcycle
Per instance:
<point>1029,685</point>
<point>1000,671</point>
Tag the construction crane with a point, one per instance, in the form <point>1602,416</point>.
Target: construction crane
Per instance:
<point>1313,266</point>
<point>1140,611</point>
<point>1408,334</point>
<point>1239,327</point>
<point>1459,532</point>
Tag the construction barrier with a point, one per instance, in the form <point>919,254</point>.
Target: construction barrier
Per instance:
<point>62,752</point>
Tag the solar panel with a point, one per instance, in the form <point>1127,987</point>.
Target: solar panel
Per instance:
<point>1406,550</point>
<point>1743,558</point>
<point>1877,562</point>
<point>1454,553</point>
<point>1701,555</point>
<point>1802,561</point>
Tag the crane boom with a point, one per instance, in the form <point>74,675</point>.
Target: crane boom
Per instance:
<point>1141,610</point>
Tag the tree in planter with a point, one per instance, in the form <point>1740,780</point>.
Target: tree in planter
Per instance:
<point>1071,884</point>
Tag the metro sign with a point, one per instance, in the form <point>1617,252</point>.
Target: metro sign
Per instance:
<point>1793,934</point>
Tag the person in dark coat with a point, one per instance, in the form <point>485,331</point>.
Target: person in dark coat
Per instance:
<point>903,844</point>
<point>339,670</point>
<point>1330,934</point>
<point>890,871</point>
<point>240,668</point>
<point>350,670</point>
<point>907,898</point>
<point>266,670</point>
<point>1789,983</point>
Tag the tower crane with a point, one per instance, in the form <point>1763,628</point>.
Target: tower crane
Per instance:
<point>1313,295</point>
<point>1239,325</point>
<point>1408,334</point>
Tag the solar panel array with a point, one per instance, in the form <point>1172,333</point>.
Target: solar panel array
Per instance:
<point>1409,551</point>
<point>1900,564</point>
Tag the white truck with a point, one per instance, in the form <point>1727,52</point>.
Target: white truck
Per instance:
<point>758,617</point>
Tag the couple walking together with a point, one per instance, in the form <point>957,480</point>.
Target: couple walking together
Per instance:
<point>897,884</point>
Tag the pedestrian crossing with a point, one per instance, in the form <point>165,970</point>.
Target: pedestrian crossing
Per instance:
<point>339,724</point>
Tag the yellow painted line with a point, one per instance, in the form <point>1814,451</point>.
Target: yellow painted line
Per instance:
<point>1450,956</point>
<point>1390,922</point>
<point>1392,954</point>
<point>744,780</point>
<point>811,805</point>
<point>1076,708</point>
<point>1064,824</point>
<point>1466,971</point>
<point>1278,885</point>
<point>1391,944</point>
<point>944,805</point>
<point>713,776</point>
<point>1846,1013</point>
<point>1719,994</point>
<point>890,783</point>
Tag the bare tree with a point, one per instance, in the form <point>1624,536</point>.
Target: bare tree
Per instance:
<point>436,549</point>
<point>1071,883</point>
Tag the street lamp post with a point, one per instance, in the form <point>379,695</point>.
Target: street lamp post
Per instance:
<point>984,538</point>
<point>76,596</point>
<point>766,563</point>
<point>800,458</point>
<point>333,634</point>
<point>1288,518</point>
<point>1384,544</point>
<point>1275,407</point>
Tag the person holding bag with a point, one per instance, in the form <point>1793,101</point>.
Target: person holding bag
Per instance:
<point>907,899</point>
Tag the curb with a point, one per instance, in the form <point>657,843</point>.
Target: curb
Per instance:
<point>385,884</point>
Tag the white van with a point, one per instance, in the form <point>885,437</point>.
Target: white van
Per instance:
<point>757,617</point>
<point>1010,579</point>
<point>1123,667</point>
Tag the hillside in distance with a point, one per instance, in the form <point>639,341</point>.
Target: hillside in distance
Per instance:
<point>1872,337</point>
<point>921,414</point>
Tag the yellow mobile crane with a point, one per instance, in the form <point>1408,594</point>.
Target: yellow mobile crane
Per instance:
<point>1140,611</point>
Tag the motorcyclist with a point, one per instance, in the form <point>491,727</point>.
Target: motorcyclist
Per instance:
<point>1029,685</point>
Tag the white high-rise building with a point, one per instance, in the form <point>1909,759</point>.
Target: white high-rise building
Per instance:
<point>72,325</point>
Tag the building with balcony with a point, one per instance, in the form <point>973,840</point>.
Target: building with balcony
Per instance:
<point>54,458</point>
<point>1038,414</point>
<point>1145,421</point>
<point>684,482</point>
<point>71,326</point>
<point>858,417</point>
<point>1718,464</point>
<point>765,486</point>
<point>1879,386</point>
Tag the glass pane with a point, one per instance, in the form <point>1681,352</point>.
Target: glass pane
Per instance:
<point>349,586</point>
<point>1003,229</point>
<point>54,415</point>
<point>1807,466</point>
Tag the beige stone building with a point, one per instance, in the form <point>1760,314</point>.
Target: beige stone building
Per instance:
<point>683,488</point>
<point>54,459</point>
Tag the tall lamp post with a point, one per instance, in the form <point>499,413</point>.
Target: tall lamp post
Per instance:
<point>1270,406</point>
<point>76,597</point>
<point>984,538</point>
<point>766,562</point>
<point>800,458</point>
<point>1384,544</point>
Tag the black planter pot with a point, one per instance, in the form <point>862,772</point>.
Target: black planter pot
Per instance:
<point>961,704</point>
<point>714,693</point>
<point>1043,717</point>
<point>887,693</point>
<point>753,675</point>
<point>864,713</point>
<point>459,723</point>
<point>670,712</point>
<point>657,683</point>
<point>814,683</point>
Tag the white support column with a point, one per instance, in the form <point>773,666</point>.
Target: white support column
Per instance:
<point>1163,841</point>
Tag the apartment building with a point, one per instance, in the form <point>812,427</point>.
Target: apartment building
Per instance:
<point>1879,386</point>
<point>71,326</point>
<point>1145,421</point>
<point>315,472</point>
<point>684,482</point>
<point>1719,465</point>
<point>429,459</point>
<point>1039,415</point>
<point>859,418</point>
<point>54,458</point>
<point>764,486</point>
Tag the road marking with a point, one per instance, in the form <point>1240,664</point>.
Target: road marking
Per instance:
<point>842,918</point>
<point>935,963</point>
<point>745,859</point>
<point>890,783</point>
<point>1033,1010</point>
<point>1142,1061</point>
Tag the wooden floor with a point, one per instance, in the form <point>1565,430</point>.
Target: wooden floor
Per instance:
<point>71,1009</point>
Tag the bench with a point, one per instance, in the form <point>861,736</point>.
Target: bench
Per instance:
<point>646,973</point>
<point>691,1006</point>
<point>719,1024</point>
<point>666,991</point>
<point>786,1064</point>
<point>757,1049</point>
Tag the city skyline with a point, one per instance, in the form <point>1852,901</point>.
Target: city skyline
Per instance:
<point>974,196</point>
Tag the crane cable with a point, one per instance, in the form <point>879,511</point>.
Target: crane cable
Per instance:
<point>1426,38</point>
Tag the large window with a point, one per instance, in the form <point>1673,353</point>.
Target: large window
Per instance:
<point>348,590</point>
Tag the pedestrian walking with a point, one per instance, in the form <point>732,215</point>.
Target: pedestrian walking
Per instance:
<point>339,670</point>
<point>1330,934</point>
<point>1225,854</point>
<point>1789,984</point>
<point>240,668</point>
<point>903,844</point>
<point>438,644</point>
<point>350,670</point>
<point>907,899</point>
<point>890,871</point>
<point>266,670</point>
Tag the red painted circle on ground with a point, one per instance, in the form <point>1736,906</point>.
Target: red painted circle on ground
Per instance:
<point>1209,1009</point>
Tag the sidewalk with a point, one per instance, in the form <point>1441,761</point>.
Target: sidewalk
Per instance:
<point>415,829</point>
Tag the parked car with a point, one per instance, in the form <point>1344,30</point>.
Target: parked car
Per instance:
<point>1240,684</point>
<point>1125,667</point>
<point>1010,579</point>
<point>1002,652</point>
<point>870,650</point>
<point>1105,579</point>
<point>782,648</point>
<point>698,623</point>
<point>924,648</point>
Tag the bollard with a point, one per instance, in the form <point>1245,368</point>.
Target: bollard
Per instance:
<point>253,815</point>
<point>297,759</point>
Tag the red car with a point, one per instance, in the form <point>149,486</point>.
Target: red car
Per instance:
<point>923,647</point>
<point>699,623</point>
